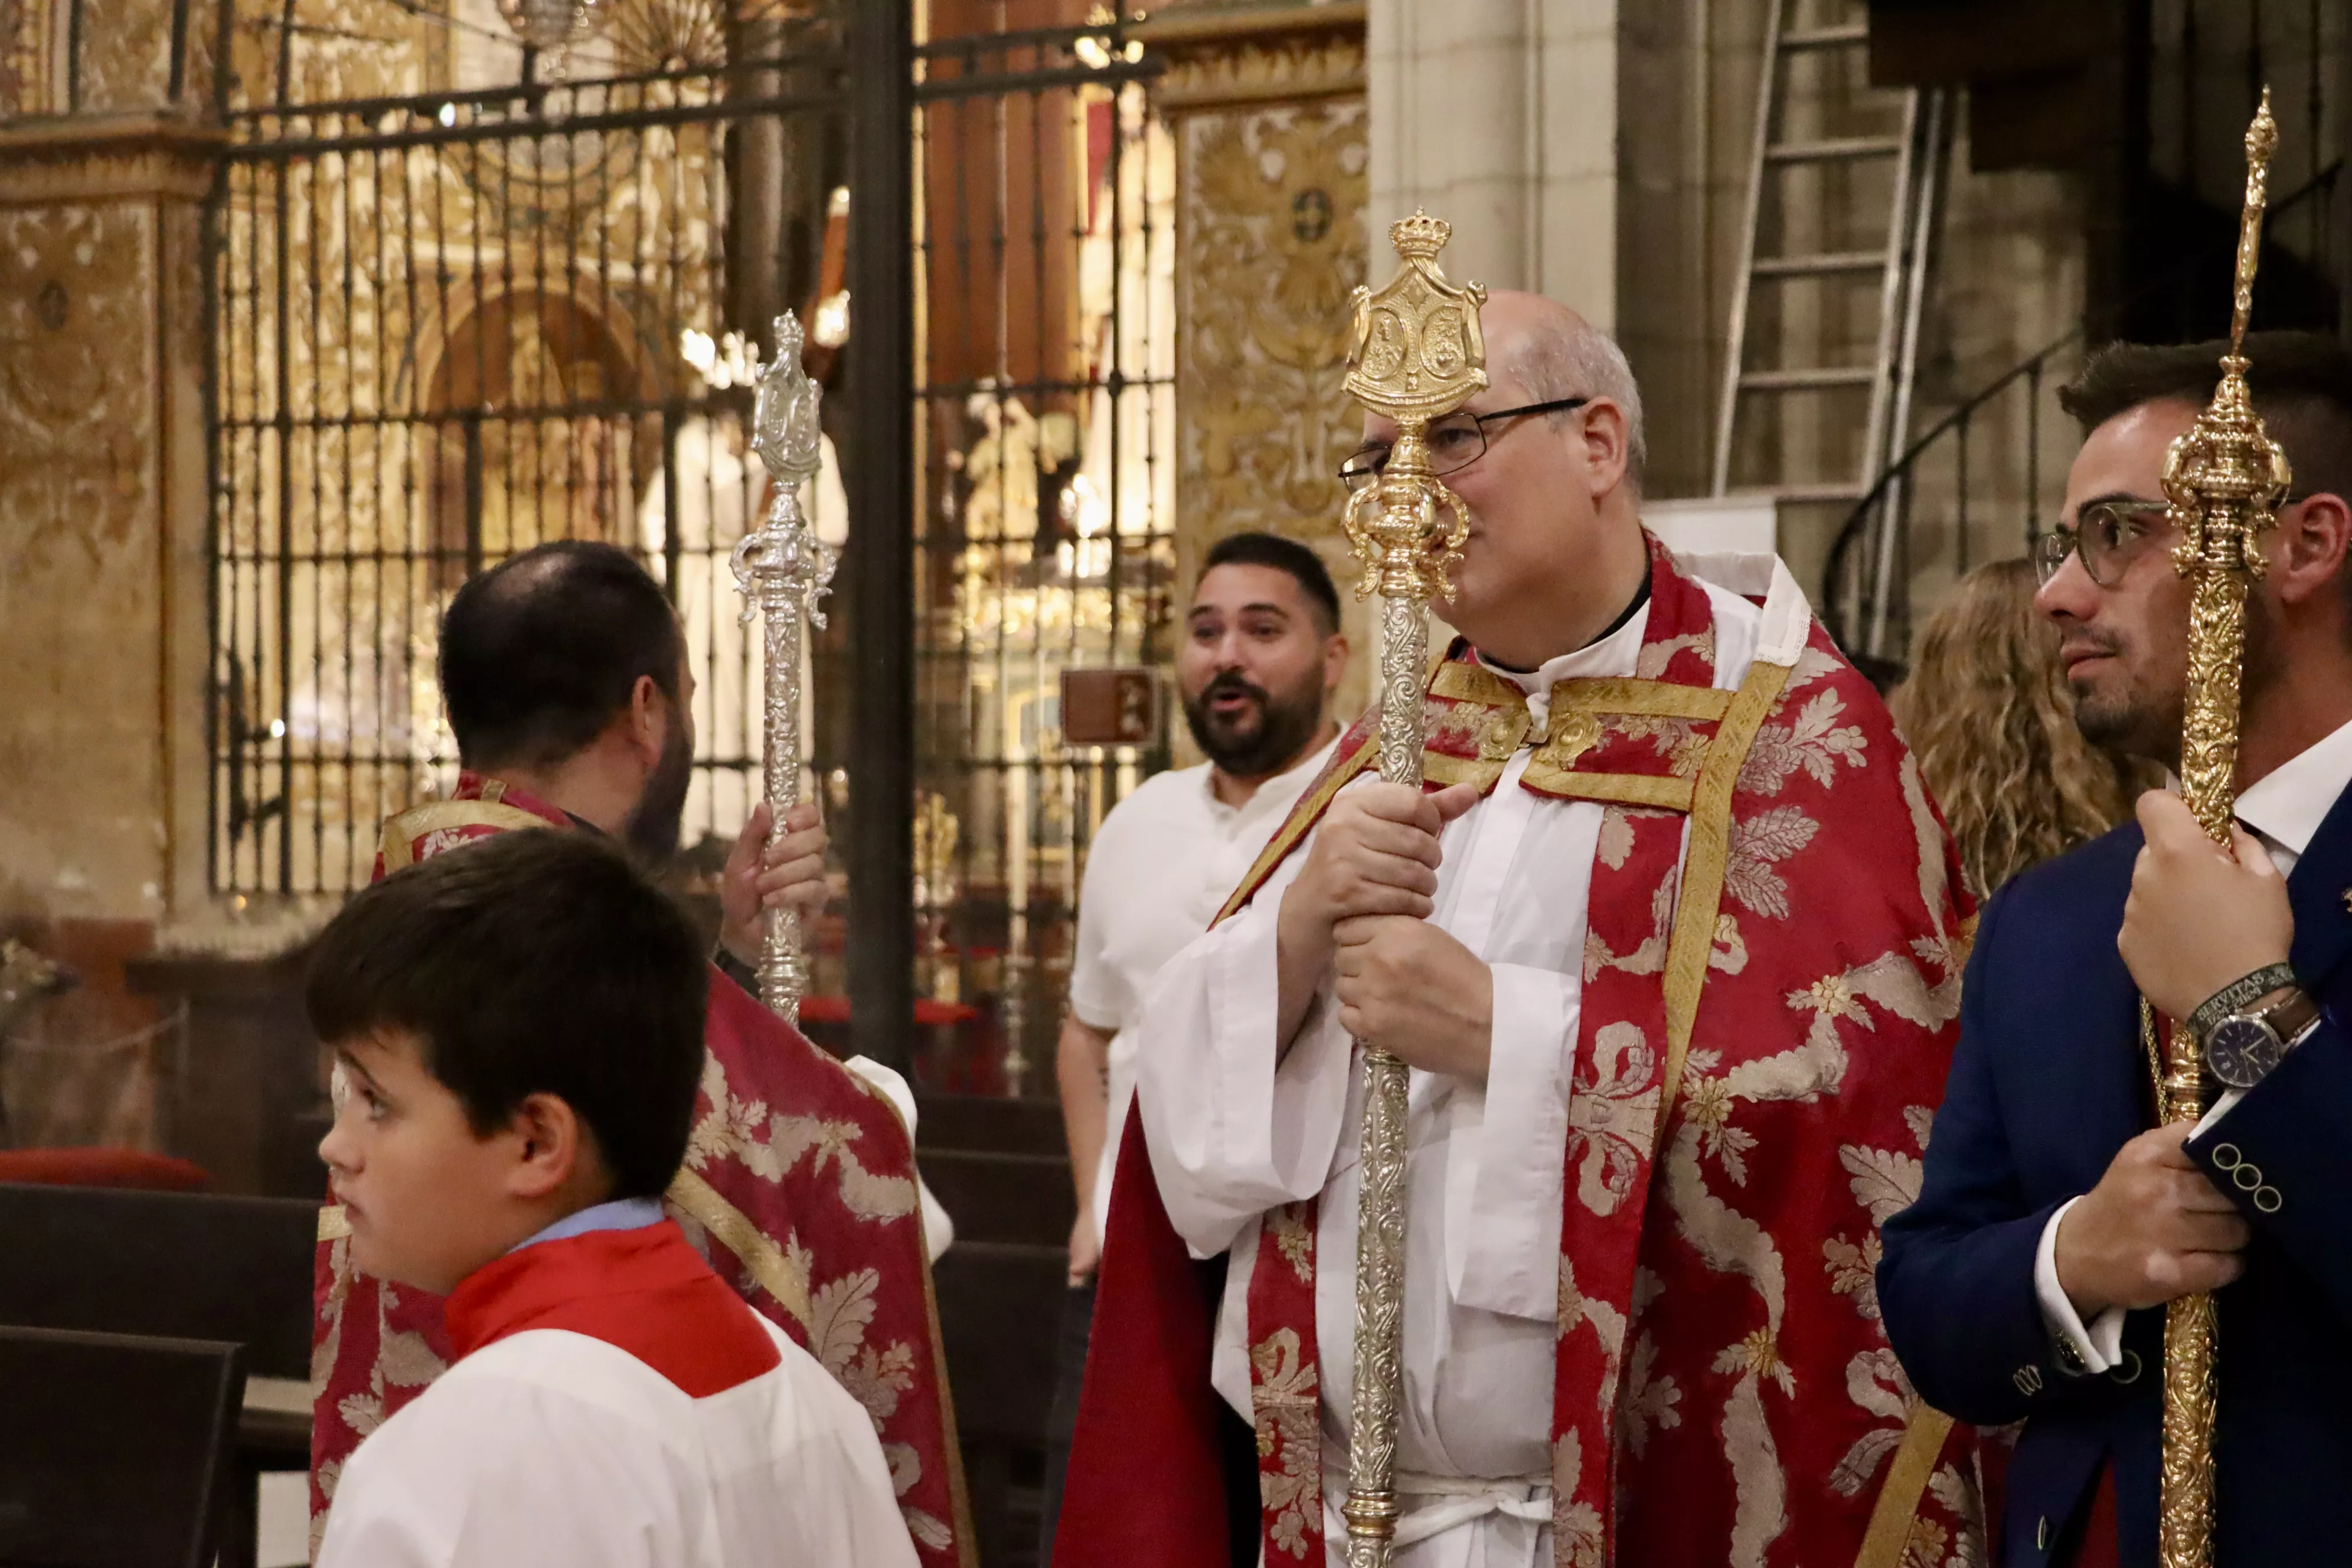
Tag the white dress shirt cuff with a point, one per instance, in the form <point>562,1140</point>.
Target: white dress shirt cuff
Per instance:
<point>1508,1230</point>
<point>2101,1345</point>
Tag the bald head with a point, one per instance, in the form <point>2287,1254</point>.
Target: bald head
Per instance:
<point>1550,352</point>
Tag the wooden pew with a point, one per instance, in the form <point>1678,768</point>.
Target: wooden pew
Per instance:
<point>113,1448</point>
<point>176,1266</point>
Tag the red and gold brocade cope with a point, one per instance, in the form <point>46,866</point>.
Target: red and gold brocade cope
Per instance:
<point>799,1185</point>
<point>1766,1024</point>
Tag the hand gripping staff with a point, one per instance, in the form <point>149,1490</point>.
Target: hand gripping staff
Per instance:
<point>1415,354</point>
<point>2224,479</point>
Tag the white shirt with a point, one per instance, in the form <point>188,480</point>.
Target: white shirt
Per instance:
<point>1235,1133</point>
<point>550,1446</point>
<point>1161,866</point>
<point>2283,808</point>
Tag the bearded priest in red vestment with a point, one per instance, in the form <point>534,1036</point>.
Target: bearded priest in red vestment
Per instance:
<point>565,675</point>
<point>1673,943</point>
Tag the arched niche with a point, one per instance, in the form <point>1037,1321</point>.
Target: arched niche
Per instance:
<point>537,429</point>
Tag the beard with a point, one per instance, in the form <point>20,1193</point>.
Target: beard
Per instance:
<point>652,829</point>
<point>2141,719</point>
<point>2127,717</point>
<point>1260,740</point>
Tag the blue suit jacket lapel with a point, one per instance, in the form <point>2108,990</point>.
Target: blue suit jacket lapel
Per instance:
<point>2317,891</point>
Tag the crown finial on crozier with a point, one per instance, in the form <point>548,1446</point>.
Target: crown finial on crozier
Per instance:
<point>1420,237</point>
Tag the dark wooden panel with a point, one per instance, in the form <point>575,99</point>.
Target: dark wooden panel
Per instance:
<point>977,1121</point>
<point>2049,119</point>
<point>192,1266</point>
<point>1023,1198</point>
<point>250,1070</point>
<point>1950,43</point>
<point>1000,1312</point>
<point>112,1448</point>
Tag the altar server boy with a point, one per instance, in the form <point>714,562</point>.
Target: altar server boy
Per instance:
<point>518,1032</point>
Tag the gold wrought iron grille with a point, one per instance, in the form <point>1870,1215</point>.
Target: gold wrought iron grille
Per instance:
<point>1044,430</point>
<point>465,297</point>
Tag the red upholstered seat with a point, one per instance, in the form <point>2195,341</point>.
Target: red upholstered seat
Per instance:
<point>927,1013</point>
<point>103,1168</point>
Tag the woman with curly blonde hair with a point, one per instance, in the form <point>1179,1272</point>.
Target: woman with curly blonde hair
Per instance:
<point>1987,713</point>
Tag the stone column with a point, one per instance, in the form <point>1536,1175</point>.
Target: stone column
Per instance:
<point>102,512</point>
<point>1501,117</point>
<point>102,603</point>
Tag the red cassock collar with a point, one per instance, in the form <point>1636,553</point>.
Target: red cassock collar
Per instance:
<point>646,1292</point>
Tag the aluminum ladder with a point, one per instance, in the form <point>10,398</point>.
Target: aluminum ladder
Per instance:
<point>1758,382</point>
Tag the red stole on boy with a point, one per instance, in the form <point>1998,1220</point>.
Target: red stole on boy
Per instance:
<point>800,1181</point>
<point>1765,1022</point>
<point>642,1289</point>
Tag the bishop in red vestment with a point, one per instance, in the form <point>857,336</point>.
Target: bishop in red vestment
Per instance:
<point>564,666</point>
<point>1674,945</point>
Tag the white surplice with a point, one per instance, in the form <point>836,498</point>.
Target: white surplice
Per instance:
<point>1234,1134</point>
<point>549,1446</point>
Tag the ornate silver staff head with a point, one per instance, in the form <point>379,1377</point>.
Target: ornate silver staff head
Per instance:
<point>785,557</point>
<point>782,569</point>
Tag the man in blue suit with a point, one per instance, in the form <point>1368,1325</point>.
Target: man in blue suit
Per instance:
<point>2056,1218</point>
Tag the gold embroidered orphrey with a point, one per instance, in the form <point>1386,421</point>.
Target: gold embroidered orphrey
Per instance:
<point>1415,354</point>
<point>2224,479</point>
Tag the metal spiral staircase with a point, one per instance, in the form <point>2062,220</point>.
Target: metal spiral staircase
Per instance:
<point>1955,483</point>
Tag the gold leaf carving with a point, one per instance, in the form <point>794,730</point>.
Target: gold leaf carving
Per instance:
<point>1272,201</point>
<point>1294,70</point>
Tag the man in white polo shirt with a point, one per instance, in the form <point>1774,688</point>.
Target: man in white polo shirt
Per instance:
<point>1260,658</point>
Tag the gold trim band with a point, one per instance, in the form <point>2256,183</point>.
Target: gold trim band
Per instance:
<point>1663,793</point>
<point>1704,866</point>
<point>1303,818</point>
<point>1460,682</point>
<point>1439,769</point>
<point>401,833</point>
<point>1640,699</point>
<point>727,1225</point>
<point>1891,1517</point>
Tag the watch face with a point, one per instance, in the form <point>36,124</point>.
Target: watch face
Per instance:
<point>2241,1050</point>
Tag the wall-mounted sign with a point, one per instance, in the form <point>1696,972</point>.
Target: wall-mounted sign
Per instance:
<point>1110,707</point>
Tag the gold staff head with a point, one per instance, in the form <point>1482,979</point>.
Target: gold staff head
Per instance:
<point>2224,481</point>
<point>1415,354</point>
<point>2225,476</point>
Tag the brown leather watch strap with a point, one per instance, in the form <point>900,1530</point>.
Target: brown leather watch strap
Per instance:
<point>2289,1012</point>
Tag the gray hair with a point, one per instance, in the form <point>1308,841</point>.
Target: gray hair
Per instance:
<point>1573,358</point>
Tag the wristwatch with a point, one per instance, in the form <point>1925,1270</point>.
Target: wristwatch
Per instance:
<point>2246,1043</point>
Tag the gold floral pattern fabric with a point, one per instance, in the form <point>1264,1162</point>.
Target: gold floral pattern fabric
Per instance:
<point>800,1188</point>
<point>1766,1020</point>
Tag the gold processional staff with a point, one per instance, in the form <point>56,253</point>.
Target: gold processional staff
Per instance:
<point>1415,354</point>
<point>2224,479</point>
<point>782,570</point>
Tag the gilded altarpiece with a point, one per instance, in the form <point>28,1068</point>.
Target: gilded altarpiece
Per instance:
<point>438,347</point>
<point>1268,112</point>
